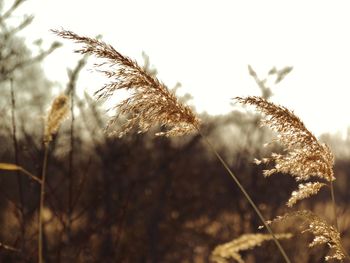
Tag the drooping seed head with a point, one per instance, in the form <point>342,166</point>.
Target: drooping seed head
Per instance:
<point>323,232</point>
<point>304,155</point>
<point>149,103</point>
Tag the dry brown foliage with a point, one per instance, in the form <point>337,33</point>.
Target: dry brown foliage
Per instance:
<point>223,252</point>
<point>149,103</point>
<point>305,156</point>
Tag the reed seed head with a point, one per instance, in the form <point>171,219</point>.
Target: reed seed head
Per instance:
<point>230,250</point>
<point>305,156</point>
<point>58,111</point>
<point>304,191</point>
<point>150,102</point>
<point>324,234</point>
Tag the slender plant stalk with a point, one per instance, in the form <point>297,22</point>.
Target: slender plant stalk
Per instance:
<point>73,76</point>
<point>345,253</point>
<point>41,207</point>
<point>30,175</point>
<point>70,167</point>
<point>334,205</point>
<point>335,219</point>
<point>246,195</point>
<point>15,148</point>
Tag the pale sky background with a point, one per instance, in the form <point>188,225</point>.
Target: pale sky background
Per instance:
<point>207,45</point>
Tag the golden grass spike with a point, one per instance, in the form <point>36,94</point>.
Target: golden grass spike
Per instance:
<point>58,112</point>
<point>222,253</point>
<point>304,191</point>
<point>306,156</point>
<point>324,233</point>
<point>150,102</point>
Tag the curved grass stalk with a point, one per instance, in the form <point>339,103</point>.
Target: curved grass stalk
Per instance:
<point>335,218</point>
<point>246,195</point>
<point>331,186</point>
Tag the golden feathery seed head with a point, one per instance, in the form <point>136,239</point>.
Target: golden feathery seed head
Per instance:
<point>306,157</point>
<point>324,233</point>
<point>230,250</point>
<point>58,111</point>
<point>150,102</point>
<point>304,191</point>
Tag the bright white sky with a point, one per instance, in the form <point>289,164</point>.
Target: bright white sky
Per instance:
<point>207,45</point>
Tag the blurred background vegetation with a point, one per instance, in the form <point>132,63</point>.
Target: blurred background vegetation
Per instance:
<point>138,198</point>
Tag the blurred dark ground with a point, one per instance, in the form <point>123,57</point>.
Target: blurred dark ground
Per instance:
<point>139,198</point>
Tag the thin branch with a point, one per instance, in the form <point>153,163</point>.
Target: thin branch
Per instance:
<point>12,8</point>
<point>10,248</point>
<point>73,76</point>
<point>15,148</point>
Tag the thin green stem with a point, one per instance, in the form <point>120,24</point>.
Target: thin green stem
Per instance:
<point>246,195</point>
<point>41,206</point>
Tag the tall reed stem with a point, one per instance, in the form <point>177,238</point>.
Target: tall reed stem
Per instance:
<point>335,218</point>
<point>246,195</point>
<point>71,162</point>
<point>334,205</point>
<point>41,206</point>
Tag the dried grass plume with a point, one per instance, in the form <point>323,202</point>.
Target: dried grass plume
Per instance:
<point>305,156</point>
<point>304,191</point>
<point>150,102</point>
<point>58,111</point>
<point>324,234</point>
<point>230,250</point>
